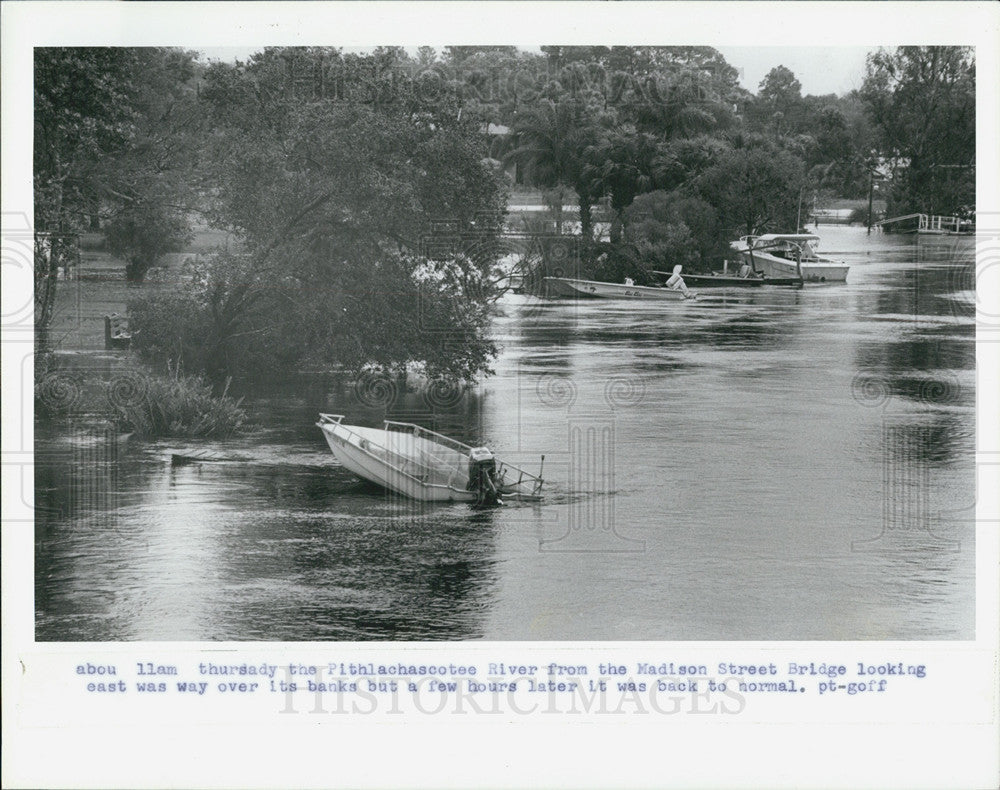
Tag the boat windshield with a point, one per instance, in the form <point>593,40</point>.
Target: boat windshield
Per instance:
<point>789,248</point>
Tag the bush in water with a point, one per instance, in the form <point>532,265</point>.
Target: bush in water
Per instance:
<point>134,399</point>
<point>174,405</point>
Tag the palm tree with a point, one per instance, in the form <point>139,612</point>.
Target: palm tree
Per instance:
<point>681,105</point>
<point>551,140</point>
<point>622,165</point>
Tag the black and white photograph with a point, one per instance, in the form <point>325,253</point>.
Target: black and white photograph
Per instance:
<point>308,320</point>
<point>422,362</point>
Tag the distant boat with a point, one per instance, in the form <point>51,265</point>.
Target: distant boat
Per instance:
<point>592,289</point>
<point>733,281</point>
<point>788,255</point>
<point>426,465</point>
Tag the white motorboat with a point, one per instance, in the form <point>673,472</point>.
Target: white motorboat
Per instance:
<point>426,465</point>
<point>790,255</point>
<point>589,289</point>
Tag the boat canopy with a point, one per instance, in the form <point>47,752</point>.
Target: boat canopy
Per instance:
<point>786,237</point>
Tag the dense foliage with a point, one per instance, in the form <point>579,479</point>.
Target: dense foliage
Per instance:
<point>922,104</point>
<point>177,405</point>
<point>116,139</point>
<point>334,197</point>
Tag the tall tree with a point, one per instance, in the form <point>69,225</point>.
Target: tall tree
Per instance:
<point>82,113</point>
<point>116,132</point>
<point>779,101</point>
<point>335,203</point>
<point>682,103</point>
<point>552,140</point>
<point>922,104</point>
<point>622,165</point>
<point>754,190</point>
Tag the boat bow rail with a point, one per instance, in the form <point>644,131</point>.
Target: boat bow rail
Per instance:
<point>421,466</point>
<point>425,433</point>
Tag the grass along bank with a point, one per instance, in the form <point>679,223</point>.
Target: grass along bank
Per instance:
<point>133,399</point>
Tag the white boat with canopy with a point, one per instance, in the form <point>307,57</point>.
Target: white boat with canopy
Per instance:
<point>789,255</point>
<point>426,465</point>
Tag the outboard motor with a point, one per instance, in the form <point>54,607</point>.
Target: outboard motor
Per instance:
<point>676,283</point>
<point>483,477</point>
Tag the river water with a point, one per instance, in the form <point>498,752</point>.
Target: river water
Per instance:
<point>757,465</point>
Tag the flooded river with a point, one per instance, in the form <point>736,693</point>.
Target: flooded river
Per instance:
<point>756,465</point>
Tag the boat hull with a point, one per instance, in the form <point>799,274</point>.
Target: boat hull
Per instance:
<point>818,271</point>
<point>708,281</point>
<point>592,289</point>
<point>777,255</point>
<point>381,457</point>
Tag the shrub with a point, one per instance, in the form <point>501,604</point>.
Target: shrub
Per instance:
<point>174,405</point>
<point>659,232</point>
<point>134,399</point>
<point>621,261</point>
<point>227,320</point>
<point>245,317</point>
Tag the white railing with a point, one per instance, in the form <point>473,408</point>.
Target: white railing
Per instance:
<point>937,223</point>
<point>534,482</point>
<point>425,433</point>
<point>416,469</point>
<point>927,223</point>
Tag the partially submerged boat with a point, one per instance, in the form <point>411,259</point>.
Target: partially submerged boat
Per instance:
<point>592,289</point>
<point>790,255</point>
<point>426,465</point>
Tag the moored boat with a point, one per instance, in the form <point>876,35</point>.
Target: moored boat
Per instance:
<point>593,289</point>
<point>790,255</point>
<point>425,465</point>
<point>733,281</point>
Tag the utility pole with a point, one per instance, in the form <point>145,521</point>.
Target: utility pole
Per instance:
<point>871,189</point>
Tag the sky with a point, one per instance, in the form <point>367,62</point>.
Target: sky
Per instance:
<point>821,70</point>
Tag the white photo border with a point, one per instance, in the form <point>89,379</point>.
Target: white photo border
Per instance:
<point>946,738</point>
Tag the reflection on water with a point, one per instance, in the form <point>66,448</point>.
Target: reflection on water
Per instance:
<point>768,464</point>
